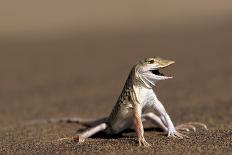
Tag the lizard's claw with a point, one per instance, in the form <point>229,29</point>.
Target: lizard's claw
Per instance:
<point>190,125</point>
<point>143,142</point>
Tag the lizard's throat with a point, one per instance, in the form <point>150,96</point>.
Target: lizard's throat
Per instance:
<point>146,81</point>
<point>149,82</point>
<point>151,77</point>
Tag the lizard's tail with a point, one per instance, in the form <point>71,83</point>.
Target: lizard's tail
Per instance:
<point>85,122</point>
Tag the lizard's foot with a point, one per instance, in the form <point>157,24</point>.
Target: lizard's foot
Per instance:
<point>190,125</point>
<point>143,142</point>
<point>78,139</point>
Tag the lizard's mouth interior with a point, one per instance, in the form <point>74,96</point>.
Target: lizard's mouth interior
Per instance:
<point>157,72</point>
<point>160,74</point>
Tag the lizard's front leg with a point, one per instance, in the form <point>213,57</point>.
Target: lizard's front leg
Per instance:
<point>170,129</point>
<point>137,113</point>
<point>166,120</point>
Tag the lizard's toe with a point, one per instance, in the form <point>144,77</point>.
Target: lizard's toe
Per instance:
<point>144,143</point>
<point>190,125</point>
<point>176,134</point>
<point>78,139</point>
<point>180,135</point>
<point>185,127</point>
<point>64,139</point>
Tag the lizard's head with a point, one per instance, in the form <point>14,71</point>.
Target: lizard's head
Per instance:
<point>149,69</point>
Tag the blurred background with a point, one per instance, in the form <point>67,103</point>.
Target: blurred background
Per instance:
<point>72,58</point>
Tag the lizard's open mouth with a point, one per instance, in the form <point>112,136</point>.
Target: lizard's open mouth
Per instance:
<point>157,72</point>
<point>160,74</point>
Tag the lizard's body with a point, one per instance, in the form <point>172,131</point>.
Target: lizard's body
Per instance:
<point>137,96</point>
<point>121,117</point>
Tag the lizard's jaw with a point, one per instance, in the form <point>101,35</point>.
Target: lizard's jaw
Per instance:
<point>155,70</point>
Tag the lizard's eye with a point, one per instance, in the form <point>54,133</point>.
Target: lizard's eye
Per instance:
<point>151,61</point>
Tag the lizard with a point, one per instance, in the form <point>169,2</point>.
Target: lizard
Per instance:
<point>137,96</point>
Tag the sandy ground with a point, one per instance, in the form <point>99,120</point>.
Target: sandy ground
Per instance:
<point>83,74</point>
